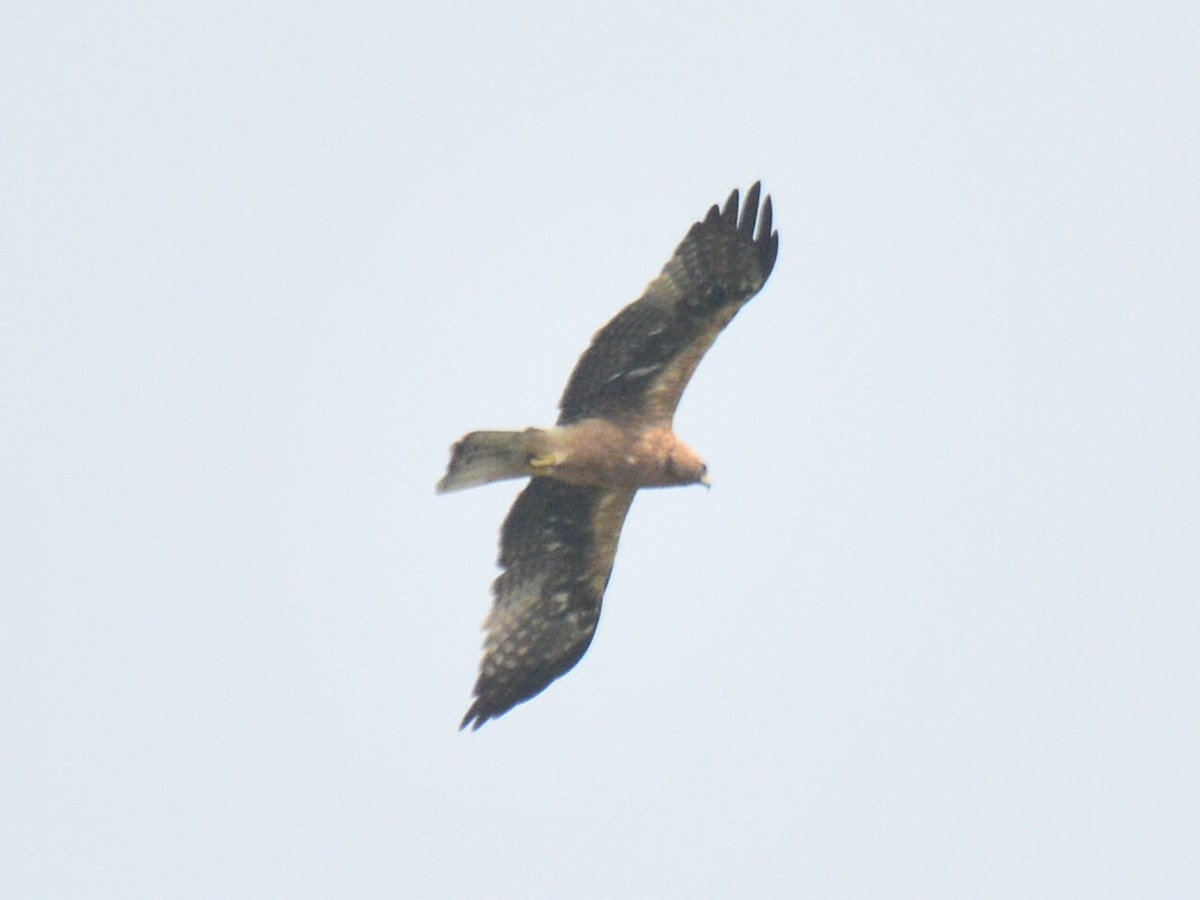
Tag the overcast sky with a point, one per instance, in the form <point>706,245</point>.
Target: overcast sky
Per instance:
<point>933,633</point>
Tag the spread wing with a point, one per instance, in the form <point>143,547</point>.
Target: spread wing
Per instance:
<point>557,548</point>
<point>639,363</point>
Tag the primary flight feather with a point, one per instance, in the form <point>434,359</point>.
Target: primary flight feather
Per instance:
<point>613,436</point>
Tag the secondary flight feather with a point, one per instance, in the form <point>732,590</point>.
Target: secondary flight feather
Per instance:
<point>613,437</point>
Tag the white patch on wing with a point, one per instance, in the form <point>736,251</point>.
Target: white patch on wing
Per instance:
<point>642,371</point>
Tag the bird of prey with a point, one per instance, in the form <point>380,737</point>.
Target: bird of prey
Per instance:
<point>613,436</point>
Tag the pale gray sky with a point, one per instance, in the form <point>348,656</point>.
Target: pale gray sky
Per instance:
<point>932,634</point>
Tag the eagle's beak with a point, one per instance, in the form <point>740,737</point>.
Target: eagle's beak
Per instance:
<point>706,481</point>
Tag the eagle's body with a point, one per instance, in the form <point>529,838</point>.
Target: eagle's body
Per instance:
<point>614,436</point>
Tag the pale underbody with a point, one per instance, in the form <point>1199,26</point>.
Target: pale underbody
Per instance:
<point>601,453</point>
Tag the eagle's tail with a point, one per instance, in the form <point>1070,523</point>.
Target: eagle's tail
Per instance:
<point>484,456</point>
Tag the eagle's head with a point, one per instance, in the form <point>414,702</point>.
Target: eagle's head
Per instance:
<point>684,466</point>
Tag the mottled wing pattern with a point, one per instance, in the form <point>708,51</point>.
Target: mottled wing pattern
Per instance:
<point>557,548</point>
<point>639,363</point>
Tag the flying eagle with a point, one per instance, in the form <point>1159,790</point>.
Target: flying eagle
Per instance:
<point>614,435</point>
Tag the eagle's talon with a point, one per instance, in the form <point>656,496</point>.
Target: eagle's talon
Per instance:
<point>547,460</point>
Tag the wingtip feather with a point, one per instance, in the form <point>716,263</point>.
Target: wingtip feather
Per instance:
<point>730,212</point>
<point>472,718</point>
<point>744,221</point>
<point>764,222</point>
<point>750,211</point>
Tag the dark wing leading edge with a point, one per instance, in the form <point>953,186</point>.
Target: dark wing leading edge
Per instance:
<point>639,363</point>
<point>557,548</point>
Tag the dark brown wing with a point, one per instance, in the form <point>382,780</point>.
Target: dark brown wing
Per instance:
<point>639,363</point>
<point>557,548</point>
